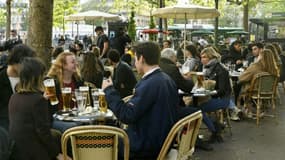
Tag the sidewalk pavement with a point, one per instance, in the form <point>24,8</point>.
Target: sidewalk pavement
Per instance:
<point>251,142</point>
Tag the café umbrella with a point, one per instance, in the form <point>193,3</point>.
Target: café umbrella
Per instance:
<point>92,15</point>
<point>186,11</point>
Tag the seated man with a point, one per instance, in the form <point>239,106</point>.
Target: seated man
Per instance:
<point>123,77</point>
<point>151,112</point>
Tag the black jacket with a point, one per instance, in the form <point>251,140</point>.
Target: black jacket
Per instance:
<point>221,76</point>
<point>124,79</point>
<point>172,71</point>
<point>5,94</point>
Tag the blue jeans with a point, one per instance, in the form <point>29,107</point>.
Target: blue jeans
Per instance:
<point>62,126</point>
<point>215,104</point>
<point>210,106</point>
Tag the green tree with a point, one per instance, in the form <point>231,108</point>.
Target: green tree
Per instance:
<point>63,8</point>
<point>152,37</point>
<point>8,20</point>
<point>100,5</point>
<point>132,27</point>
<point>2,18</point>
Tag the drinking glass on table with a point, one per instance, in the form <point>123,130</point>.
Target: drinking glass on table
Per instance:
<point>80,100</point>
<point>95,98</point>
<point>66,98</point>
<point>50,90</point>
<point>85,90</point>
<point>102,102</point>
<point>200,78</point>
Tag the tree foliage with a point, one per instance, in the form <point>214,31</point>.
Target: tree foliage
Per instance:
<point>132,27</point>
<point>2,18</point>
<point>100,5</point>
<point>63,8</point>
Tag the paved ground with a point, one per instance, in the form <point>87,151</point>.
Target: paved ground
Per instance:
<point>250,142</point>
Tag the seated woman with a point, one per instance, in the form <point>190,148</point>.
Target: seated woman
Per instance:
<point>266,63</point>
<point>65,72</point>
<point>214,70</point>
<point>28,112</point>
<point>192,59</point>
<point>92,69</point>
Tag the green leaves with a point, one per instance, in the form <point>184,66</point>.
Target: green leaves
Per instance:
<point>63,8</point>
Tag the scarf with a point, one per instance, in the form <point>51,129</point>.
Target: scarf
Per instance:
<point>209,67</point>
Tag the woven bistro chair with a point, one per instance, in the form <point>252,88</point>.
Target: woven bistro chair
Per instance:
<point>184,134</point>
<point>95,141</point>
<point>262,89</point>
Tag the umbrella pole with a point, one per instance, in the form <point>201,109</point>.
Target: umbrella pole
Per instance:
<point>184,37</point>
<point>93,29</point>
<point>77,30</point>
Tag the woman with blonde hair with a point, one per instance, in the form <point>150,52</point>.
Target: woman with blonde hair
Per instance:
<point>266,63</point>
<point>65,72</point>
<point>277,59</point>
<point>214,70</point>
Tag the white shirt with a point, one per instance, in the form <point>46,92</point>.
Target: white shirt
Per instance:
<point>13,82</point>
<point>150,71</point>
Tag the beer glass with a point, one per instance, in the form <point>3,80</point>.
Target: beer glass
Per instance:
<point>66,98</point>
<point>200,78</point>
<point>95,98</point>
<point>85,91</point>
<point>50,90</point>
<point>102,102</point>
<point>80,100</point>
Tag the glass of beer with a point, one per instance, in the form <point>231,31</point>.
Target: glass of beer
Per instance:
<point>200,78</point>
<point>50,90</point>
<point>102,102</point>
<point>66,98</point>
<point>85,91</point>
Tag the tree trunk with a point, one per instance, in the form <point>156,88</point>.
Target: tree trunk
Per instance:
<point>245,16</point>
<point>8,20</point>
<point>40,28</point>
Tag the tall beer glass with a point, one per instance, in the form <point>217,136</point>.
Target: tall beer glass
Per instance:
<point>200,78</point>
<point>102,102</point>
<point>85,91</point>
<point>66,98</point>
<point>50,90</point>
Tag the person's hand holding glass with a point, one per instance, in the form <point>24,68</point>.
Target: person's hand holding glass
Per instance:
<point>50,91</point>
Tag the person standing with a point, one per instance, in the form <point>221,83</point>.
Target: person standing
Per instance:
<point>9,77</point>
<point>120,41</point>
<point>123,76</point>
<point>102,42</point>
<point>151,112</point>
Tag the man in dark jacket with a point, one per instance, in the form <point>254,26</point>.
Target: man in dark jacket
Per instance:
<point>151,112</point>
<point>120,41</point>
<point>124,78</point>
